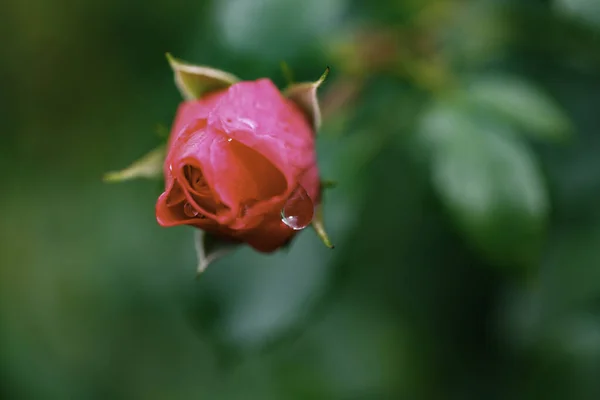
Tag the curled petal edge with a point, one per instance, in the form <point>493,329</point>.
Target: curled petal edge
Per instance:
<point>195,81</point>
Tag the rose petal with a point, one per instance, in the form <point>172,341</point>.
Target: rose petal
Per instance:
<point>211,208</point>
<point>190,112</point>
<point>173,215</point>
<point>269,236</point>
<point>258,116</point>
<point>175,195</point>
<point>243,174</point>
<point>192,150</point>
<point>198,188</point>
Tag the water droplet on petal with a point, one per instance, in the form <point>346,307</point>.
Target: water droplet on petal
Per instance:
<point>189,210</point>
<point>298,210</point>
<point>170,167</point>
<point>229,140</point>
<point>246,121</point>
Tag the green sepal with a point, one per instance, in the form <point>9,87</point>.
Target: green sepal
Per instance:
<point>149,167</point>
<point>319,227</point>
<point>195,81</point>
<point>210,248</point>
<point>305,96</point>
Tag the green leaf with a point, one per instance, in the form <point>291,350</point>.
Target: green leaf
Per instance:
<point>195,81</point>
<point>489,181</point>
<point>587,11</point>
<point>210,248</point>
<point>305,96</point>
<point>522,103</point>
<point>271,30</point>
<point>149,166</point>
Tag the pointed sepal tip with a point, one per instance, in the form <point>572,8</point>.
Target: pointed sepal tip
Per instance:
<point>209,248</point>
<point>195,81</point>
<point>149,167</point>
<point>305,96</point>
<point>319,227</point>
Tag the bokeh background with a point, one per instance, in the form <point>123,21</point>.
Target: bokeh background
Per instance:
<point>464,139</point>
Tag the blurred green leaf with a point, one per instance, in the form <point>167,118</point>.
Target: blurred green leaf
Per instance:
<point>489,180</point>
<point>266,295</point>
<point>209,248</point>
<point>570,282</point>
<point>113,312</point>
<point>149,166</point>
<point>286,27</point>
<point>194,81</point>
<point>585,10</point>
<point>521,103</point>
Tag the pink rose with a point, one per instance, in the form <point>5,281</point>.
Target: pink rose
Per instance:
<point>236,158</point>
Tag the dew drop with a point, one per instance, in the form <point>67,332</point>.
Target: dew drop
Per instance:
<point>189,210</point>
<point>248,122</point>
<point>298,210</point>
<point>229,140</point>
<point>170,167</point>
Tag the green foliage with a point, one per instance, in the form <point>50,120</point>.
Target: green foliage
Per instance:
<point>462,136</point>
<point>585,10</point>
<point>489,180</point>
<point>520,102</point>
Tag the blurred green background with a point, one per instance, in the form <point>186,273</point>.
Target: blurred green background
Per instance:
<point>464,139</point>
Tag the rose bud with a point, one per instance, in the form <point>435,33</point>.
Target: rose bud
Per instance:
<point>236,158</point>
<point>240,161</point>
